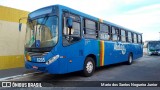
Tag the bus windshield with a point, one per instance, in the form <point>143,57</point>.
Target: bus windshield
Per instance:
<point>154,45</point>
<point>42,32</point>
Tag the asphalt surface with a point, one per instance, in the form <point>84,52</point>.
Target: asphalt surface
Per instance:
<point>146,68</point>
<point>14,71</point>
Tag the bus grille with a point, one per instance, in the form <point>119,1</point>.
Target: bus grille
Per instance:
<point>33,54</point>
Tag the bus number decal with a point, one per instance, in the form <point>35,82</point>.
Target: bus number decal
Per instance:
<point>40,60</point>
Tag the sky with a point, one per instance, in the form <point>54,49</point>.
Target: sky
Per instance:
<point>139,15</point>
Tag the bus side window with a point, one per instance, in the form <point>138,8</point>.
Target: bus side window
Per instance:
<point>130,37</point>
<point>71,35</point>
<point>114,34</point>
<point>118,34</point>
<point>123,35</point>
<point>90,29</point>
<point>104,32</point>
<point>135,37</point>
<point>139,39</point>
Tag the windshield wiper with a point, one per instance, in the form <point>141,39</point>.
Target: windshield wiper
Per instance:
<point>44,20</point>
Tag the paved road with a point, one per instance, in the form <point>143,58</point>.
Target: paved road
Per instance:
<point>146,68</point>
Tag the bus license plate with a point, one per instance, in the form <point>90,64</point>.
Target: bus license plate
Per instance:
<point>34,67</point>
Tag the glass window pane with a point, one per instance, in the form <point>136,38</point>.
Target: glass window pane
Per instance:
<point>113,30</point>
<point>76,29</point>
<point>104,36</point>
<point>114,34</point>
<point>104,32</point>
<point>104,28</point>
<point>129,37</point>
<point>114,37</point>
<point>90,36</point>
<point>123,33</point>
<point>90,29</point>
<point>139,39</point>
<point>90,24</point>
<point>123,38</point>
<point>71,35</point>
<point>135,38</point>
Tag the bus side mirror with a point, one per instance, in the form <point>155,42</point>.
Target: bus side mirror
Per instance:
<point>20,26</point>
<point>69,22</point>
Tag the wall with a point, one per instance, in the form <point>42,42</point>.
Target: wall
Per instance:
<point>11,40</point>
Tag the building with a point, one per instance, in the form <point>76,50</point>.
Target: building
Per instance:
<point>11,40</point>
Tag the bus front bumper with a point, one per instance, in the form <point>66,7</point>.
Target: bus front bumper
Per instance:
<point>53,68</point>
<point>154,53</point>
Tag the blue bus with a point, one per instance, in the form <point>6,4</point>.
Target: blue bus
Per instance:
<point>61,40</point>
<point>152,47</point>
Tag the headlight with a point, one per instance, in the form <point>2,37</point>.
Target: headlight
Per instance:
<point>51,60</point>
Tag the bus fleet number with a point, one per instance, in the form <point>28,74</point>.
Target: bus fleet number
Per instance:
<point>40,60</point>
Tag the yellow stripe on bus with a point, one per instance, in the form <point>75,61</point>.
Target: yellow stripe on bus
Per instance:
<point>102,51</point>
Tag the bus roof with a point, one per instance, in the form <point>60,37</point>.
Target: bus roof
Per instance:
<point>153,41</point>
<point>89,17</point>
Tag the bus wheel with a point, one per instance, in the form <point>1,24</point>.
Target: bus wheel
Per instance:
<point>89,67</point>
<point>130,59</point>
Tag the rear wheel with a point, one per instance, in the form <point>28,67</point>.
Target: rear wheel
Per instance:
<point>89,67</point>
<point>130,59</point>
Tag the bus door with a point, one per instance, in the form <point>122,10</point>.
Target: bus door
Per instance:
<point>72,42</point>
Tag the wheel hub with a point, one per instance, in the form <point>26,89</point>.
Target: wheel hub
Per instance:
<point>130,59</point>
<point>89,67</point>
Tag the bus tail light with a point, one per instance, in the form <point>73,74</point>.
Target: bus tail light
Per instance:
<point>52,59</point>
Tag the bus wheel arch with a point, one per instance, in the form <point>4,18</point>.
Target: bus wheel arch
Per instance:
<point>89,65</point>
<point>92,56</point>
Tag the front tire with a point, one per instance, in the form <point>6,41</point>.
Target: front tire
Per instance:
<point>89,67</point>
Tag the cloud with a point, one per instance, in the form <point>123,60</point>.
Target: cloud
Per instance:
<point>146,9</point>
<point>130,1</point>
<point>139,15</point>
<point>145,19</point>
